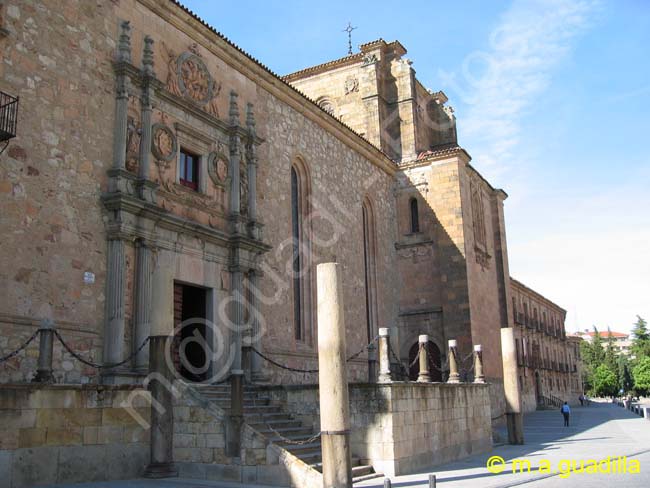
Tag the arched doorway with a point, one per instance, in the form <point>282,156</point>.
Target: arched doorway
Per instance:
<point>434,362</point>
<point>538,388</point>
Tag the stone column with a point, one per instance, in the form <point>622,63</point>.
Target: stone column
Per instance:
<point>257,375</point>
<point>235,162</point>
<point>454,377</point>
<point>252,173</point>
<point>478,364</point>
<point>145,185</point>
<point>121,97</point>
<point>162,376</point>
<point>424,376</point>
<point>236,416</point>
<point>114,319</point>
<point>384,356</point>
<point>332,378</point>
<point>142,326</point>
<point>45,346</point>
<point>514,414</point>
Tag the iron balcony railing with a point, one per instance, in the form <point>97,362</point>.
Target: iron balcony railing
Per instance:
<point>8,116</point>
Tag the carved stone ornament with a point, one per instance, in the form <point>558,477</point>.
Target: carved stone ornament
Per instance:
<point>351,85</point>
<point>370,59</point>
<point>218,168</point>
<point>163,143</point>
<point>194,79</point>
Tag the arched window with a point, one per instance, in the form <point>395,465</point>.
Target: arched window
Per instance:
<point>369,246</point>
<point>415,219</point>
<point>301,265</point>
<point>295,234</point>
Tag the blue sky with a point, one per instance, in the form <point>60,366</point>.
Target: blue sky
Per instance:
<point>552,99</point>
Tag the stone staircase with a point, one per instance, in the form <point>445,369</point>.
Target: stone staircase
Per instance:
<point>281,429</point>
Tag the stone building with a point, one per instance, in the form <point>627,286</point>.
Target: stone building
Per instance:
<point>548,361</point>
<point>163,182</point>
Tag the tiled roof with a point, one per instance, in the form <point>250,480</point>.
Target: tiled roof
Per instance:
<point>442,150</point>
<point>604,334</point>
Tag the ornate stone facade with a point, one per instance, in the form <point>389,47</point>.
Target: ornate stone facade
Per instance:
<point>93,184</point>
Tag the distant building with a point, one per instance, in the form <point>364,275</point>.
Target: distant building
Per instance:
<point>622,341</point>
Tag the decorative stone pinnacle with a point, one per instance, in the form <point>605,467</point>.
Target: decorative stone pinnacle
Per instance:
<point>250,119</point>
<point>234,109</point>
<point>124,42</point>
<point>147,55</point>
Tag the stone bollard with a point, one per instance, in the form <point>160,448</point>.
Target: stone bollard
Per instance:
<point>332,379</point>
<point>161,376</point>
<point>432,481</point>
<point>162,410</point>
<point>387,483</point>
<point>454,377</point>
<point>372,363</point>
<point>478,364</point>
<point>511,387</point>
<point>384,356</point>
<point>45,346</point>
<point>424,375</point>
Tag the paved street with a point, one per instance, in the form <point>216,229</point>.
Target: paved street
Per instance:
<point>596,432</point>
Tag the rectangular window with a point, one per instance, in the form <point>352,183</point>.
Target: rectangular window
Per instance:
<point>189,170</point>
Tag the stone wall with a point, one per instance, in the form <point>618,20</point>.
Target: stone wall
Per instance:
<point>67,434</point>
<point>400,428</point>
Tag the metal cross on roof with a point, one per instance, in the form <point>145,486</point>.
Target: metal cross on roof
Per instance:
<point>349,30</point>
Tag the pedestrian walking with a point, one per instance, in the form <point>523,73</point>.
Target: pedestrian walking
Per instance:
<point>566,412</point>
<point>582,400</point>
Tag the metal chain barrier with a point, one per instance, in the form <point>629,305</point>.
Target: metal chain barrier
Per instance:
<point>23,346</point>
<point>95,365</point>
<point>310,371</point>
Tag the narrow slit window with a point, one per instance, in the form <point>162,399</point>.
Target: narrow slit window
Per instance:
<point>415,219</point>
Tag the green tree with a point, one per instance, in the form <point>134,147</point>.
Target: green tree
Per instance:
<point>625,380</point>
<point>641,339</point>
<point>597,350</point>
<point>605,382</point>
<point>610,352</point>
<point>641,373</point>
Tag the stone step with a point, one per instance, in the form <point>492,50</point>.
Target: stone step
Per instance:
<point>362,470</point>
<point>366,477</point>
<point>319,465</point>
<point>276,424</point>
<point>257,417</point>
<point>294,448</point>
<point>286,431</point>
<point>248,402</point>
<point>310,457</point>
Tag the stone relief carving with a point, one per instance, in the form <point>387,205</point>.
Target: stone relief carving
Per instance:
<point>351,85</point>
<point>243,178</point>
<point>133,144</point>
<point>189,77</point>
<point>164,148</point>
<point>218,166</point>
<point>163,142</point>
<point>369,59</point>
<point>194,79</point>
<point>171,81</point>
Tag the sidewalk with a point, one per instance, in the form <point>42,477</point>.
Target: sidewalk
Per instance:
<point>597,431</point>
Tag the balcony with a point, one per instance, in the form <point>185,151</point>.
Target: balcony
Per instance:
<point>8,116</point>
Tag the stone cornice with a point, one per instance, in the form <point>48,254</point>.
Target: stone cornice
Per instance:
<point>537,295</point>
<point>200,32</point>
<point>169,221</point>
